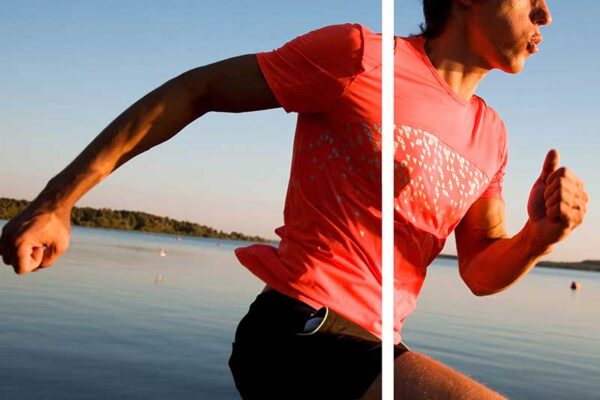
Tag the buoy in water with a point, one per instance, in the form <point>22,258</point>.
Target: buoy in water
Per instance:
<point>575,285</point>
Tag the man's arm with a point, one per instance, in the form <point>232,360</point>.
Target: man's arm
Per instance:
<point>40,234</point>
<point>234,85</point>
<point>491,261</point>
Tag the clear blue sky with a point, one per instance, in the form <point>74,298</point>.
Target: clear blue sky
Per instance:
<point>70,67</point>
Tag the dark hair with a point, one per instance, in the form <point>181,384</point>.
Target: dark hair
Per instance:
<point>436,13</point>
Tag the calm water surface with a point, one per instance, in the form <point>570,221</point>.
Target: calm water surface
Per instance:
<point>114,319</point>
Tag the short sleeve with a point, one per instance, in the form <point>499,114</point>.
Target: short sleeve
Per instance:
<point>310,72</point>
<point>494,189</point>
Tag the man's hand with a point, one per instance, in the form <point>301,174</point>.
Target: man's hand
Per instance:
<point>35,238</point>
<point>489,260</point>
<point>557,202</point>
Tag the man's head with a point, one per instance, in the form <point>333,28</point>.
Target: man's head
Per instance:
<point>436,14</point>
<point>501,33</point>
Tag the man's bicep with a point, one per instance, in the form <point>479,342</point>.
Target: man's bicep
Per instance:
<point>482,225</point>
<point>232,85</point>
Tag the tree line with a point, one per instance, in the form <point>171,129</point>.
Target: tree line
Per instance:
<point>130,221</point>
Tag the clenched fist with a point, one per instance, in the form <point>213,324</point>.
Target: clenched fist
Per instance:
<point>35,238</point>
<point>557,203</point>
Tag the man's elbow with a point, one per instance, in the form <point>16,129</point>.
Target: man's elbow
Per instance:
<point>190,91</point>
<point>481,291</point>
<point>476,287</point>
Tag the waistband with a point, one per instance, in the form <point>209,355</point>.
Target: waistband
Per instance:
<point>321,321</point>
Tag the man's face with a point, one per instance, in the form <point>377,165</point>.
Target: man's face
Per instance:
<point>505,32</point>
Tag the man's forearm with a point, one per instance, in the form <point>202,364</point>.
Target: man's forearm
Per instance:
<point>152,120</point>
<point>503,262</point>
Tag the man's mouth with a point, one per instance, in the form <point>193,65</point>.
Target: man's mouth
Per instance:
<point>532,45</point>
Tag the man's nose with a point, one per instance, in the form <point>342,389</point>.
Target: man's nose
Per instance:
<point>540,15</point>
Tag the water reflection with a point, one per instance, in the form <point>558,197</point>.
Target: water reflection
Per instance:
<point>536,340</point>
<point>107,322</point>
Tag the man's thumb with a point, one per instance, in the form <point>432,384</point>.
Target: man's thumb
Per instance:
<point>550,164</point>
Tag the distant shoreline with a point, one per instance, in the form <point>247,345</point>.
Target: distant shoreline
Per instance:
<point>585,265</point>
<point>136,221</point>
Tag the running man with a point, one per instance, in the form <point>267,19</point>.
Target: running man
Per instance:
<point>314,331</point>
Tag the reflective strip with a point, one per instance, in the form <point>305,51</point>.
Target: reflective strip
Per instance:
<point>312,321</point>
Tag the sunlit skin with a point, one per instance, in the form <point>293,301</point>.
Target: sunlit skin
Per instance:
<point>516,34</point>
<point>481,35</point>
<point>486,35</point>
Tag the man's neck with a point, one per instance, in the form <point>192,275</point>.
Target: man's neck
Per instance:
<point>450,54</point>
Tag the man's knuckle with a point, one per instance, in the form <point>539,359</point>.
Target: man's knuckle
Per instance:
<point>564,183</point>
<point>60,248</point>
<point>564,210</point>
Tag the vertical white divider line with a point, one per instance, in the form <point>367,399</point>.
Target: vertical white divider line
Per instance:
<point>387,197</point>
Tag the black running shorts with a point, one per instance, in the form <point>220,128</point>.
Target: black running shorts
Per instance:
<point>285,349</point>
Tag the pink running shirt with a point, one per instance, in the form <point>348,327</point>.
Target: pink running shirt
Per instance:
<point>448,154</point>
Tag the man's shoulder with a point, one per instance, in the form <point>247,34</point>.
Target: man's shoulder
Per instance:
<point>409,44</point>
<point>488,109</point>
<point>342,49</point>
<point>491,116</point>
<point>345,37</point>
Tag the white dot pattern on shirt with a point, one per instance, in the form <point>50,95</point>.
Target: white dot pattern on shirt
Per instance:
<point>434,184</point>
<point>439,184</point>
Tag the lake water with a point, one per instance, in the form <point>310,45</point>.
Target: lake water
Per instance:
<point>114,319</point>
